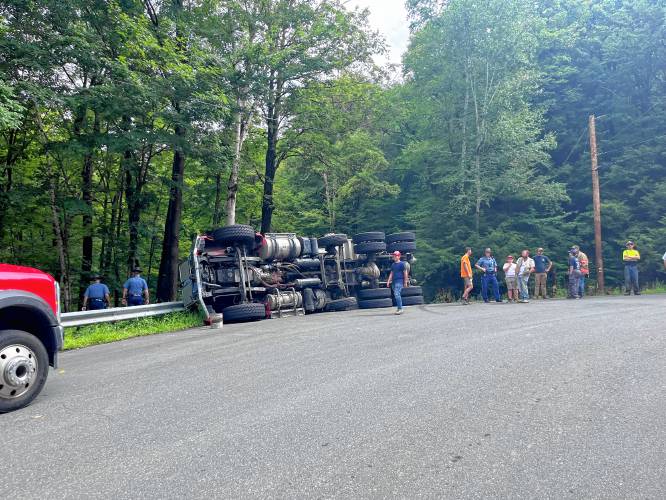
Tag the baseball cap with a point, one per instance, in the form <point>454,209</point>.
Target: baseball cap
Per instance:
<point>396,253</point>
<point>509,256</point>
<point>630,242</point>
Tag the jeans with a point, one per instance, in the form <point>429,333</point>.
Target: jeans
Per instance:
<point>540,285</point>
<point>523,280</point>
<point>581,285</point>
<point>135,300</point>
<point>397,294</point>
<point>574,283</point>
<point>631,278</point>
<point>489,278</point>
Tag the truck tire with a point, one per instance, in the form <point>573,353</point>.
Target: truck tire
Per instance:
<point>332,240</point>
<point>344,304</point>
<point>370,236</point>
<point>370,247</point>
<point>251,311</point>
<point>412,291</point>
<point>237,234</point>
<point>375,303</point>
<point>415,300</point>
<point>402,246</point>
<point>407,236</point>
<point>24,366</point>
<point>374,293</point>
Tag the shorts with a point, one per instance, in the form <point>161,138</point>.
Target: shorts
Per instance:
<point>468,281</point>
<point>511,283</point>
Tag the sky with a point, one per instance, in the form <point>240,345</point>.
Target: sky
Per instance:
<point>389,17</point>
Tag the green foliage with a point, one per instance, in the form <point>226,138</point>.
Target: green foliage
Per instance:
<point>76,338</point>
<point>483,142</point>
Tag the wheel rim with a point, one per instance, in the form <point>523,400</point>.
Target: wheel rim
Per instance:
<point>18,370</point>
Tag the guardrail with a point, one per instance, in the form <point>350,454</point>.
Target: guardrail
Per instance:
<point>81,318</point>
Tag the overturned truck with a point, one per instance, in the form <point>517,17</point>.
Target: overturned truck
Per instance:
<point>239,275</point>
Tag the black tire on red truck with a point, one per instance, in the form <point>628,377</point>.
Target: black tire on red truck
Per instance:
<point>24,367</point>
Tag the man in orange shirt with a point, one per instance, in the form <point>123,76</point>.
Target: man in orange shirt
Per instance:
<point>466,275</point>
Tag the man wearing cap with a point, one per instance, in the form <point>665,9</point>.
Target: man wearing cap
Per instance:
<point>488,266</point>
<point>135,290</point>
<point>400,278</point>
<point>542,265</point>
<point>96,295</point>
<point>584,269</point>
<point>631,257</point>
<point>574,274</point>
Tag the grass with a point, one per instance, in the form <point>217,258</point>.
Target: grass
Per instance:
<point>85,336</point>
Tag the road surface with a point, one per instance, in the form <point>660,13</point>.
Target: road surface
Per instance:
<point>559,399</point>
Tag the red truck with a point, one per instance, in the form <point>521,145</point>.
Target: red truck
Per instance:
<point>30,333</point>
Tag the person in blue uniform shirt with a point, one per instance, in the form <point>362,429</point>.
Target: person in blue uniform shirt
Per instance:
<point>135,290</point>
<point>400,278</point>
<point>96,295</point>
<point>488,265</point>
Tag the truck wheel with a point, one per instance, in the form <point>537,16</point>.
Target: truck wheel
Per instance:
<point>332,240</point>
<point>370,236</point>
<point>375,303</point>
<point>412,291</point>
<point>341,304</point>
<point>415,300</point>
<point>374,293</point>
<point>237,234</point>
<point>370,247</point>
<point>251,311</point>
<point>392,238</point>
<point>402,246</point>
<point>24,366</point>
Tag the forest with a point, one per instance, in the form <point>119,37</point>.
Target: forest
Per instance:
<point>129,126</point>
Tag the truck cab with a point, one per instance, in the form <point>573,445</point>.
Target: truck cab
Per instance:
<point>30,333</point>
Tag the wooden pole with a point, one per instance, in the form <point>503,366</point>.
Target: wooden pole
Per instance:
<point>596,203</point>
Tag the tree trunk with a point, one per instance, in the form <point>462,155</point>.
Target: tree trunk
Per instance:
<point>61,246</point>
<point>329,203</point>
<point>167,282</point>
<point>218,200</point>
<point>271,167</point>
<point>87,219</point>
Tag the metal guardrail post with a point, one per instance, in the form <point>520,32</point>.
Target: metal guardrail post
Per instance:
<point>81,318</point>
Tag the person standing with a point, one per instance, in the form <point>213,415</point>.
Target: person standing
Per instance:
<point>466,275</point>
<point>631,258</point>
<point>488,266</point>
<point>135,290</point>
<point>584,270</point>
<point>574,274</point>
<point>399,276</point>
<point>525,265</point>
<point>96,296</point>
<point>509,269</point>
<point>542,265</point>
<point>664,259</point>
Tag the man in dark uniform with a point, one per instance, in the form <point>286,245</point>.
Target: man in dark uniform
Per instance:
<point>96,295</point>
<point>135,290</point>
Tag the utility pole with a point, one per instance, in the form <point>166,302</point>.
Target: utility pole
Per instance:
<point>596,203</point>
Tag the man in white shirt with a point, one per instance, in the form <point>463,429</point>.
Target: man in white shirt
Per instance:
<point>525,265</point>
<point>664,258</point>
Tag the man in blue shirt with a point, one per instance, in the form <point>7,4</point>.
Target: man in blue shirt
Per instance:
<point>488,265</point>
<point>135,290</point>
<point>542,265</point>
<point>96,295</point>
<point>400,278</point>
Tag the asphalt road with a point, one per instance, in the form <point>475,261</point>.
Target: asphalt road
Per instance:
<point>560,399</point>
